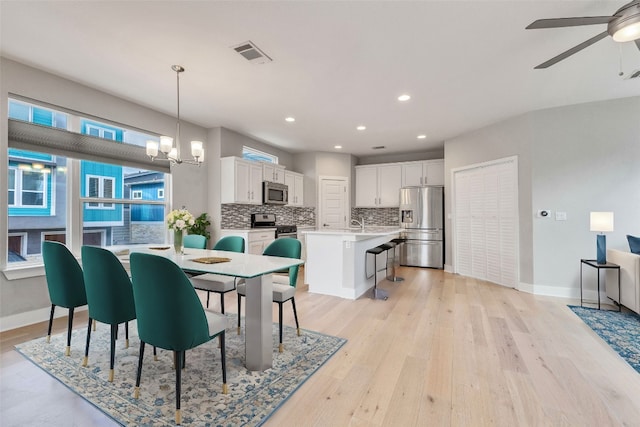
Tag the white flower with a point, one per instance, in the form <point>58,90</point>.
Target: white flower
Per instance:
<point>179,219</point>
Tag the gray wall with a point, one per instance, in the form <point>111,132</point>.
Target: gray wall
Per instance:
<point>401,157</point>
<point>232,143</point>
<point>574,159</point>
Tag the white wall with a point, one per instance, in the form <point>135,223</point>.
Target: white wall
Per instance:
<point>572,159</point>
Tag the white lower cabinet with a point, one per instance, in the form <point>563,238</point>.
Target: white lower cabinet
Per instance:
<point>255,241</point>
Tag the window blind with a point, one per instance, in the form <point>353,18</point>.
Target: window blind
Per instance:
<point>33,137</point>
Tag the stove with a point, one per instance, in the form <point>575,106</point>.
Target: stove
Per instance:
<point>269,221</point>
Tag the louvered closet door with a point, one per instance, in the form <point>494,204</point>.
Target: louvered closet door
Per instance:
<point>485,206</point>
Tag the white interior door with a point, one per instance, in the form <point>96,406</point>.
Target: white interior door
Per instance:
<point>486,222</point>
<point>334,201</point>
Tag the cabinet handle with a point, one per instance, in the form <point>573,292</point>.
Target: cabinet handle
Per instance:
<point>248,195</point>
<point>252,195</point>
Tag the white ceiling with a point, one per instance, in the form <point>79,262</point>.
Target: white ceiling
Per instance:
<point>336,64</point>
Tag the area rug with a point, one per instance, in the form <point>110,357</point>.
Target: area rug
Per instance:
<point>252,397</point>
<point>620,330</point>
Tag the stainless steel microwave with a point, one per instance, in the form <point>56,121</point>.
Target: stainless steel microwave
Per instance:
<point>274,193</point>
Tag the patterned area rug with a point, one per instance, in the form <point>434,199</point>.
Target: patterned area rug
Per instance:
<point>620,330</point>
<point>252,398</point>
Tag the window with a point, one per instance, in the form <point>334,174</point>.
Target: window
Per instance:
<point>100,132</point>
<point>100,187</point>
<point>35,114</point>
<point>252,154</point>
<point>38,181</point>
<point>27,187</point>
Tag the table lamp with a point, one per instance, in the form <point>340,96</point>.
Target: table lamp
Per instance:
<point>601,222</point>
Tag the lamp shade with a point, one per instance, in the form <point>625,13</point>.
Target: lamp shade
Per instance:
<point>601,221</point>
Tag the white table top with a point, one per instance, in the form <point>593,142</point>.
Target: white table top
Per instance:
<point>241,264</point>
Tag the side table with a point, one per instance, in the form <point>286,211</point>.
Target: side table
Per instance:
<point>593,263</point>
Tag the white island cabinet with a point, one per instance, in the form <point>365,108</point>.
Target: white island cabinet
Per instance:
<point>335,262</point>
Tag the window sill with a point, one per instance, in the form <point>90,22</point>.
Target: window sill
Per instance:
<point>23,271</point>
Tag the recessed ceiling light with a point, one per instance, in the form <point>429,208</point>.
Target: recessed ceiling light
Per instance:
<point>422,136</point>
<point>337,147</point>
<point>290,119</point>
<point>361,127</point>
<point>404,97</point>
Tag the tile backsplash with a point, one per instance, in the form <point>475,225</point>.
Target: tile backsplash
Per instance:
<point>377,216</point>
<point>239,216</point>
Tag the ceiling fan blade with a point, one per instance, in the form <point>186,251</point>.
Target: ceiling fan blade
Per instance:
<point>573,50</point>
<point>569,22</point>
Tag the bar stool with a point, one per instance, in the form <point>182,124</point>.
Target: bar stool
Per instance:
<point>377,293</point>
<point>395,244</point>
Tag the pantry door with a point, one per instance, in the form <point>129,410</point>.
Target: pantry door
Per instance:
<point>334,201</point>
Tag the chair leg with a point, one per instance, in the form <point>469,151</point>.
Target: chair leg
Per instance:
<point>295,315</point>
<point>222,303</point>
<point>155,353</point>
<point>136,391</point>
<point>239,306</point>
<point>114,332</point>
<point>178,355</point>
<point>126,334</point>
<point>280,346</point>
<point>223,355</point>
<point>85,361</point>
<point>53,308</point>
<point>67,351</point>
<point>208,294</point>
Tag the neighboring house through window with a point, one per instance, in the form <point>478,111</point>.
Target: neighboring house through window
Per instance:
<point>100,187</point>
<point>249,153</point>
<point>37,190</point>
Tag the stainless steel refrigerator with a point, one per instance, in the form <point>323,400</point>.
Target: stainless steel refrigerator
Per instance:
<point>422,218</point>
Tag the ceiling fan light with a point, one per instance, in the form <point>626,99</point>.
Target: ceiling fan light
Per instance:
<point>628,33</point>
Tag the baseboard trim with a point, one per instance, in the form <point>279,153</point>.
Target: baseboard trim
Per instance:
<point>31,317</point>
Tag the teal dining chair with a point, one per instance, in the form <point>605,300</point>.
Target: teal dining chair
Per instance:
<point>216,282</point>
<point>170,315</point>
<point>195,241</point>
<point>65,282</point>
<point>284,287</point>
<point>109,296</point>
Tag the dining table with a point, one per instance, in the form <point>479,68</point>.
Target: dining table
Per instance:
<point>256,270</point>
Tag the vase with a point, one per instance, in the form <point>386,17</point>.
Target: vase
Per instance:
<point>178,241</point>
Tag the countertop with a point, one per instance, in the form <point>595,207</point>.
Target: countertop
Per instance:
<point>372,231</point>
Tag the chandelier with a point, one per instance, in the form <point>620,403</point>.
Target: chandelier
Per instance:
<point>166,151</point>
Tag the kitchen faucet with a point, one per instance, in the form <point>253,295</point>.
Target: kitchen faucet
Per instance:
<point>360,223</point>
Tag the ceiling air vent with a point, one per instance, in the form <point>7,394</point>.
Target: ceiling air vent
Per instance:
<point>378,147</point>
<point>251,53</point>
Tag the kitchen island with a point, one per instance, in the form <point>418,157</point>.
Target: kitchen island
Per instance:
<point>335,263</point>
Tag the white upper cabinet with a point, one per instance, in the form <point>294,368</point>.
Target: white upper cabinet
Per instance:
<point>295,182</point>
<point>427,172</point>
<point>273,173</point>
<point>378,186</point>
<point>241,181</point>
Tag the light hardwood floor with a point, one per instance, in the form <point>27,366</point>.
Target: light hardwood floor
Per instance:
<point>443,350</point>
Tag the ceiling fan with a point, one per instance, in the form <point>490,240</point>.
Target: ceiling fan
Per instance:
<point>623,26</point>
